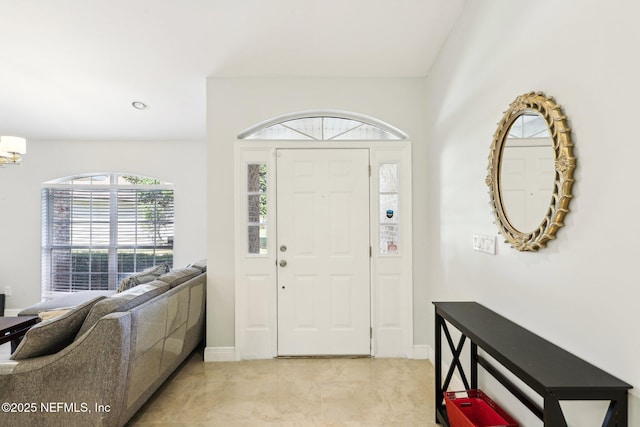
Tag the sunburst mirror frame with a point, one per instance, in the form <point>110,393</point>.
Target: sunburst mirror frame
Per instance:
<point>565,164</point>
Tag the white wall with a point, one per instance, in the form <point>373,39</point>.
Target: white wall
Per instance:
<point>582,291</point>
<point>179,162</point>
<point>235,104</point>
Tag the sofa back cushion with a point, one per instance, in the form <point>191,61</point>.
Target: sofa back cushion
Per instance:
<point>200,265</point>
<point>162,336</point>
<point>51,336</point>
<point>179,276</point>
<point>122,301</point>
<point>144,276</point>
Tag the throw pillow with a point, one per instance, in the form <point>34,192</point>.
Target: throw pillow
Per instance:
<point>144,276</point>
<point>122,301</point>
<point>52,314</point>
<point>51,336</point>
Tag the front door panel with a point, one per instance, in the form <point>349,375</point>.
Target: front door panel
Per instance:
<point>323,252</point>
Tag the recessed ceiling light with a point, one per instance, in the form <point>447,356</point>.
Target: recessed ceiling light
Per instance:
<point>139,105</point>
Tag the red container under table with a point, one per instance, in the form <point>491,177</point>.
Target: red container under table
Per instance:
<point>473,408</point>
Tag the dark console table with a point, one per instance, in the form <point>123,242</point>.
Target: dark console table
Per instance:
<point>550,371</point>
<point>12,329</point>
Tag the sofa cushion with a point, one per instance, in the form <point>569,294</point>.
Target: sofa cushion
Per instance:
<point>65,301</point>
<point>200,265</point>
<point>145,276</point>
<point>51,336</point>
<point>179,276</point>
<point>122,301</point>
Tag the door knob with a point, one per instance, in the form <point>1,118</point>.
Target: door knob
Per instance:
<point>283,263</point>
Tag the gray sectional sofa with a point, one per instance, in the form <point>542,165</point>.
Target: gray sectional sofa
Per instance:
<point>100,361</point>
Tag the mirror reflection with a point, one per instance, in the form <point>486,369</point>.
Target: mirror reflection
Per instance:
<point>527,172</point>
<point>530,172</point>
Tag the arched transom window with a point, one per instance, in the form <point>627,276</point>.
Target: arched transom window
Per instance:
<point>323,126</point>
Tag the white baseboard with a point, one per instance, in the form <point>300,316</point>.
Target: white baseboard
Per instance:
<point>423,351</point>
<point>220,354</point>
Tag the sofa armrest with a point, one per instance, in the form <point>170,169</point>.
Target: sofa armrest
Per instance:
<point>7,366</point>
<point>67,388</point>
<point>65,301</point>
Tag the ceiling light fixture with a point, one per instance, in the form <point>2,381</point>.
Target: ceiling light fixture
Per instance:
<point>11,148</point>
<point>139,105</point>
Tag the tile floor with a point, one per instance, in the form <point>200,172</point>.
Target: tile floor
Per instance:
<point>294,392</point>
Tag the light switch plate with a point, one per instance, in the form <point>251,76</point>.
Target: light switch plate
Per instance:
<point>485,244</point>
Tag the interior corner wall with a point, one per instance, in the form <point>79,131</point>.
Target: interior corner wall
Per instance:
<point>582,291</point>
<point>235,104</point>
<point>179,162</point>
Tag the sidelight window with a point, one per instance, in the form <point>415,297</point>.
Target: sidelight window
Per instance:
<point>389,215</point>
<point>257,208</point>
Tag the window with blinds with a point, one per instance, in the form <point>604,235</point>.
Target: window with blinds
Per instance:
<point>98,229</point>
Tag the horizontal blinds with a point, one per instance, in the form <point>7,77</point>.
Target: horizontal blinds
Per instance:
<point>80,217</point>
<point>93,237</point>
<point>145,218</point>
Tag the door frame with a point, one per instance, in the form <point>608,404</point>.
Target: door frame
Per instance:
<point>391,284</point>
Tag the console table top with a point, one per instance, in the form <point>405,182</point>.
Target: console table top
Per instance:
<point>541,364</point>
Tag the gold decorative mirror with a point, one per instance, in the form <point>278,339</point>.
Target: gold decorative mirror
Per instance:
<point>530,173</point>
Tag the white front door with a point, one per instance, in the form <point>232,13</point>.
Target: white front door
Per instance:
<point>323,252</point>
